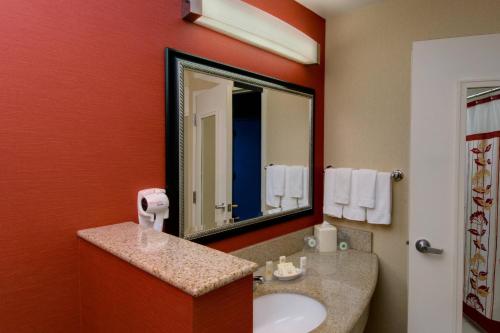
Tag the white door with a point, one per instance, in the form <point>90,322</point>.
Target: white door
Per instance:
<point>213,155</point>
<point>441,69</point>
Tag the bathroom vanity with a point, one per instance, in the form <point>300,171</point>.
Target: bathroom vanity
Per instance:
<point>140,280</point>
<point>343,281</point>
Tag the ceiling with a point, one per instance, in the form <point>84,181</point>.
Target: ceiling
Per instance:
<point>327,8</point>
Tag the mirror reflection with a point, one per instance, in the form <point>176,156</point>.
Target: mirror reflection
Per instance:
<point>481,267</point>
<point>247,151</point>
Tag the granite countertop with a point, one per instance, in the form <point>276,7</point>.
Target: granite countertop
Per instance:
<point>191,267</point>
<point>343,281</point>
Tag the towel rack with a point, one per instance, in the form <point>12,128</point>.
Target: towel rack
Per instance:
<point>396,175</point>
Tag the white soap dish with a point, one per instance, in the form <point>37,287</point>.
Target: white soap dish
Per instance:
<point>287,277</point>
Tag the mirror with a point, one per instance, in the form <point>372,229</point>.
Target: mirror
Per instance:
<point>243,145</point>
<point>481,248</point>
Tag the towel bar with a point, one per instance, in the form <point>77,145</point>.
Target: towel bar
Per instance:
<point>396,175</point>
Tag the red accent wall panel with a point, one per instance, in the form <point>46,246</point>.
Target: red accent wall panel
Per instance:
<point>82,130</point>
<point>118,297</point>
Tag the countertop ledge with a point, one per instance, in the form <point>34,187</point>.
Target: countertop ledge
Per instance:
<point>190,267</point>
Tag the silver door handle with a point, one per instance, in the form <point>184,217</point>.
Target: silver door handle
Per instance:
<point>424,246</point>
<point>220,206</point>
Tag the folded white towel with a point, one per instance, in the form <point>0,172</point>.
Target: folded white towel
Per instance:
<point>275,184</point>
<point>304,200</point>
<point>341,185</point>
<point>381,213</point>
<point>330,207</point>
<point>293,181</point>
<point>353,211</point>
<point>366,188</point>
<point>273,211</point>
<point>288,203</point>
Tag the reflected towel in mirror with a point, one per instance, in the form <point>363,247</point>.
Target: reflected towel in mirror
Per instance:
<point>294,181</point>
<point>304,200</point>
<point>275,184</point>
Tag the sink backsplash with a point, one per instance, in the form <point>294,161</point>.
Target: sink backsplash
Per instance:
<point>293,242</point>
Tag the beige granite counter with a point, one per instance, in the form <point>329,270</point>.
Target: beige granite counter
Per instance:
<point>343,281</point>
<point>193,268</point>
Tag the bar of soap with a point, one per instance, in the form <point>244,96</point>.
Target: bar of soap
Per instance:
<point>287,268</point>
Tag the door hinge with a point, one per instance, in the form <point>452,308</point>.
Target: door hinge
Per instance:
<point>195,122</point>
<point>194,197</point>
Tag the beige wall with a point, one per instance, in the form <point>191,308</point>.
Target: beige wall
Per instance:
<point>367,114</point>
<point>287,128</point>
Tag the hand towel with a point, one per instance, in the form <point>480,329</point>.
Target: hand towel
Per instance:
<point>304,200</point>
<point>341,185</point>
<point>289,203</point>
<point>330,207</point>
<point>353,211</point>
<point>274,211</point>
<point>381,213</point>
<point>366,188</point>
<point>275,184</point>
<point>294,176</point>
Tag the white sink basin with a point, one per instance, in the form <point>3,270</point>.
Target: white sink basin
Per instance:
<point>286,313</point>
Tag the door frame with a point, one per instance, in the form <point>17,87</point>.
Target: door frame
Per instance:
<point>462,179</point>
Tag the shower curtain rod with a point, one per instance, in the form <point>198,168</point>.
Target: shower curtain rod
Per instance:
<point>483,93</point>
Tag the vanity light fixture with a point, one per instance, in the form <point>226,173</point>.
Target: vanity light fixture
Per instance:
<point>239,20</point>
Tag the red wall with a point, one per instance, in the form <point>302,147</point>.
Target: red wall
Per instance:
<point>118,297</point>
<point>82,130</point>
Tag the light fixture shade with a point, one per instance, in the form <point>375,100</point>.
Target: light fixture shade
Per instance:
<point>237,19</point>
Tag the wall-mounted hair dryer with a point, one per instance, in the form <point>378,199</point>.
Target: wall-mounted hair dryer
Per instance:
<point>152,205</point>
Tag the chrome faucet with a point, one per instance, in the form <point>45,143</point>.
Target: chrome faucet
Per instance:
<point>257,279</point>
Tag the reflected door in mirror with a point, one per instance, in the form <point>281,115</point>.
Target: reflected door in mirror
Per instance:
<point>210,161</point>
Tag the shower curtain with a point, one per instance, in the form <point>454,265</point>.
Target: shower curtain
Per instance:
<point>481,301</point>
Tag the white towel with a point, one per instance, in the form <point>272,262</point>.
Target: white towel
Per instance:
<point>366,188</point>
<point>289,203</point>
<point>381,214</point>
<point>293,181</point>
<point>275,184</point>
<point>330,207</point>
<point>353,211</point>
<point>341,185</point>
<point>304,200</point>
<point>274,211</point>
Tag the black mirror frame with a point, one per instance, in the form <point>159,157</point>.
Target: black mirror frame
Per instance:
<point>172,144</point>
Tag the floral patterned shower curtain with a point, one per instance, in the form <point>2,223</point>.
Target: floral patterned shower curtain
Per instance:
<point>482,250</point>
